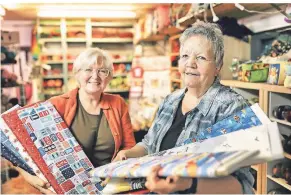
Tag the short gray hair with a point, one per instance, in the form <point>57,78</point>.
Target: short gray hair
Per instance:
<point>89,57</point>
<point>212,32</point>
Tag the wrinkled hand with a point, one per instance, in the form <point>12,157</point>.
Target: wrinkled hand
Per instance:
<point>165,186</point>
<point>36,182</point>
<point>121,155</point>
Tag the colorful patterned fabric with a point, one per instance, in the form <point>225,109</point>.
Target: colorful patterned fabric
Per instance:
<point>183,165</point>
<point>243,119</point>
<point>116,185</point>
<point>9,152</point>
<point>16,126</point>
<point>59,149</point>
<point>19,147</point>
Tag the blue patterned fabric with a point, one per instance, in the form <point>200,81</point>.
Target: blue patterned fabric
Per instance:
<point>9,152</point>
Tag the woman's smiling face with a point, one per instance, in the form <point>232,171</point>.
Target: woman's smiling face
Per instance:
<point>197,62</point>
<point>92,79</point>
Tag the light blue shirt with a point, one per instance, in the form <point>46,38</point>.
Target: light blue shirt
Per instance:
<point>218,102</point>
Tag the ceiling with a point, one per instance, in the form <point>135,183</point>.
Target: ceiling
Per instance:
<point>28,11</point>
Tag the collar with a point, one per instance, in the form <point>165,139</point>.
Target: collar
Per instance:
<point>104,103</point>
<point>206,101</point>
<point>209,97</point>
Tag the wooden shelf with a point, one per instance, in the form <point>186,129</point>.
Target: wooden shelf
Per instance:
<point>112,40</point>
<point>287,155</point>
<point>175,37</point>
<point>174,54</point>
<point>53,77</point>
<point>172,30</point>
<point>49,40</point>
<point>280,181</point>
<point>122,61</point>
<point>112,24</point>
<point>76,40</point>
<point>176,80</point>
<point>264,86</point>
<point>120,75</point>
<point>281,121</point>
<point>255,191</point>
<point>151,38</point>
<point>53,93</point>
<point>255,167</point>
<point>191,18</point>
<point>175,68</point>
<point>116,91</point>
<point>240,84</point>
<point>52,62</point>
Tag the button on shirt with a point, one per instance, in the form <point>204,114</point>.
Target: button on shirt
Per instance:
<point>218,102</point>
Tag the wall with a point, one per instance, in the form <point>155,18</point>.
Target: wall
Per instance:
<point>233,48</point>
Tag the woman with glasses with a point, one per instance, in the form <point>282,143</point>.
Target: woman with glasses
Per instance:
<point>99,121</point>
<point>190,111</point>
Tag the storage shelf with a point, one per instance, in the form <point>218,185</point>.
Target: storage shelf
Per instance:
<point>52,62</point>
<point>53,93</point>
<point>176,80</point>
<point>112,40</point>
<point>76,40</point>
<point>174,54</point>
<point>255,167</point>
<point>47,40</point>
<point>122,61</point>
<point>116,91</point>
<point>264,86</point>
<point>287,155</point>
<point>112,24</point>
<point>240,84</point>
<point>280,121</point>
<point>174,68</point>
<point>151,38</point>
<point>120,75</point>
<point>280,181</point>
<point>53,76</point>
<point>172,30</point>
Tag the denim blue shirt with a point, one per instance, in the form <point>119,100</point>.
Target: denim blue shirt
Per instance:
<point>217,103</point>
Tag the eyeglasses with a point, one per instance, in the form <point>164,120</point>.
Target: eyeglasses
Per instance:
<point>101,72</point>
<point>200,60</point>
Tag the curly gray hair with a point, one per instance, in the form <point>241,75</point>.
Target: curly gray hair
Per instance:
<point>212,32</point>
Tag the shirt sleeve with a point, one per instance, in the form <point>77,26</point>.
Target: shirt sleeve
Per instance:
<point>246,179</point>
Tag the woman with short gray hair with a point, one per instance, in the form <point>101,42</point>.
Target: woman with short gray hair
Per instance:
<point>190,111</point>
<point>99,121</point>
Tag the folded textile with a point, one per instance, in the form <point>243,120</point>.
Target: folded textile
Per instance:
<point>244,119</point>
<point>19,130</point>
<point>61,152</point>
<point>19,147</point>
<point>216,156</point>
<point>9,153</point>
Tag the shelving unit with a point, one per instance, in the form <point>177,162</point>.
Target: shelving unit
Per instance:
<point>280,181</point>
<point>176,81</point>
<point>61,40</point>
<point>269,96</point>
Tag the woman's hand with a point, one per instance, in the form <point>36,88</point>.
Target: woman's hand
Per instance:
<point>36,182</point>
<point>165,186</point>
<point>121,155</point>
